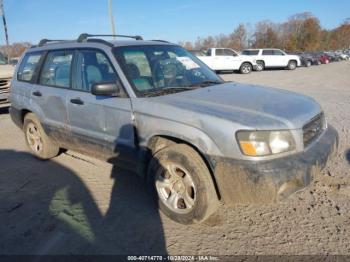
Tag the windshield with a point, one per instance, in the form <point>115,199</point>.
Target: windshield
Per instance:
<point>2,60</point>
<point>161,69</point>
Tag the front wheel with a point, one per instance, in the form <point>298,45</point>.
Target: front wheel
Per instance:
<point>184,187</point>
<point>308,63</point>
<point>292,65</point>
<point>246,68</point>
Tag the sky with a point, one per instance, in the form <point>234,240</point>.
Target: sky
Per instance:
<point>172,20</point>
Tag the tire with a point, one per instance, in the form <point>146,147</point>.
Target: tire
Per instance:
<point>180,172</point>
<point>292,65</point>
<point>308,64</point>
<point>39,144</point>
<point>246,68</point>
<point>260,66</point>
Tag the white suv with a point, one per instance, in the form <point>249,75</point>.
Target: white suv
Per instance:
<point>269,57</point>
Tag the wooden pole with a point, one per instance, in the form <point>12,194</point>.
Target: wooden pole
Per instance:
<point>2,14</point>
<point>111,17</point>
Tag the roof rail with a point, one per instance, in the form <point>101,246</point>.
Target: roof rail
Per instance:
<point>45,41</point>
<point>85,36</point>
<point>159,40</point>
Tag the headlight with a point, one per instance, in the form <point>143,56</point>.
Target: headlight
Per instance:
<point>263,143</point>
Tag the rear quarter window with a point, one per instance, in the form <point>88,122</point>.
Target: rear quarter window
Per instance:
<point>28,67</point>
<point>267,52</point>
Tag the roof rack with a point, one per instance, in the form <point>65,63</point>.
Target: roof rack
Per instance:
<point>45,41</point>
<point>159,40</point>
<point>85,36</point>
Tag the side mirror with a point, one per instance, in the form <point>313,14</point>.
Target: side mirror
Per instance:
<point>105,89</point>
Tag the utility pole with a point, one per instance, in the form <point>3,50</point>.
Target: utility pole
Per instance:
<point>110,16</point>
<point>2,14</point>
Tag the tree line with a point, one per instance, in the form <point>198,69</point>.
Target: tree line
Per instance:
<point>301,32</point>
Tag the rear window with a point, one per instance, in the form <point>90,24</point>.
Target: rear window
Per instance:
<point>28,67</point>
<point>250,52</point>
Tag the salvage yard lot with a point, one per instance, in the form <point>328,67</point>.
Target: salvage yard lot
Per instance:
<point>79,205</point>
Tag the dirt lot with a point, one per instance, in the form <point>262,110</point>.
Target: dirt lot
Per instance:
<point>78,205</point>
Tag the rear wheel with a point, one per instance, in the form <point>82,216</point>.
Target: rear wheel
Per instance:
<point>246,68</point>
<point>183,184</point>
<point>292,65</point>
<point>260,66</point>
<point>39,144</point>
<point>308,63</point>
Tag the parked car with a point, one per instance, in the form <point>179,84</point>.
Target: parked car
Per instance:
<point>6,72</point>
<point>226,59</point>
<point>307,59</point>
<point>270,57</point>
<point>322,57</point>
<point>154,108</point>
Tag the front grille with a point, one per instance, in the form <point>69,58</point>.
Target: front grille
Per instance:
<point>313,129</point>
<point>5,85</point>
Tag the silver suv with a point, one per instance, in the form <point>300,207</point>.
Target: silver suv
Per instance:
<point>154,108</point>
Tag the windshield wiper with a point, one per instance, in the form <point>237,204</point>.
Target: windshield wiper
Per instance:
<point>206,83</point>
<point>167,90</point>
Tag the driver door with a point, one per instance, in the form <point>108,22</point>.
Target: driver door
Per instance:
<point>99,125</point>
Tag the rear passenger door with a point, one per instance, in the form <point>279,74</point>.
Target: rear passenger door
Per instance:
<point>53,83</point>
<point>100,125</point>
<point>269,58</point>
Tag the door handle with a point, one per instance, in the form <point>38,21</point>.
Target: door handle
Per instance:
<point>77,101</point>
<point>36,93</point>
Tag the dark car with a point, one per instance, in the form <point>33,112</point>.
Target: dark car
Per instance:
<point>307,59</point>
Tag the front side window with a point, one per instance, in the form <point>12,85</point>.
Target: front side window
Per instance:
<point>229,52</point>
<point>28,67</point>
<point>92,67</point>
<point>278,52</point>
<point>157,69</point>
<point>57,69</point>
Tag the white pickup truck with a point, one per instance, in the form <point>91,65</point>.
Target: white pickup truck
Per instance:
<point>226,59</point>
<point>6,73</point>
<point>270,57</point>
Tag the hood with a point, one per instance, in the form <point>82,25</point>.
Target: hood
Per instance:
<point>251,106</point>
<point>6,71</point>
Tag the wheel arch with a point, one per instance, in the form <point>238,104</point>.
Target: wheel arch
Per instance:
<point>159,142</point>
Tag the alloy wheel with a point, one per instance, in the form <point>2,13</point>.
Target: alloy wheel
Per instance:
<point>176,189</point>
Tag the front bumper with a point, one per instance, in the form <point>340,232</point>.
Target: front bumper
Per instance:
<point>242,181</point>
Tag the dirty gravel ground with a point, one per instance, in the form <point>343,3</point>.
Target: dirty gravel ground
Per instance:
<point>78,205</point>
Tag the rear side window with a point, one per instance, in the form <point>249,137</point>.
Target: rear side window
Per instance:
<point>28,67</point>
<point>57,69</point>
<point>267,52</point>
